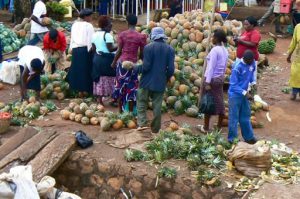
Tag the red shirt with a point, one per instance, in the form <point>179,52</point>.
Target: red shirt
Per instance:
<point>131,41</point>
<point>252,36</point>
<point>60,44</point>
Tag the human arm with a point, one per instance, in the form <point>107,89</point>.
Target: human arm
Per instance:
<point>142,46</point>
<point>255,38</point>
<point>63,42</point>
<point>90,33</point>
<point>24,78</point>
<point>293,45</point>
<point>234,82</point>
<point>171,67</point>
<point>211,64</point>
<point>109,40</point>
<point>119,51</point>
<point>36,20</point>
<point>147,61</point>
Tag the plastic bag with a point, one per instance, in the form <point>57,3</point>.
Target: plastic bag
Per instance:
<point>251,160</point>
<point>46,185</point>
<point>207,105</point>
<point>5,190</point>
<point>83,140</point>
<point>10,72</point>
<point>57,194</point>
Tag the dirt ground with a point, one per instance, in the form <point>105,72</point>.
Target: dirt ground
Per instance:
<point>284,114</point>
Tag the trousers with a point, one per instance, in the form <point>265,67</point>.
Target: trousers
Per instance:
<point>239,113</point>
<point>143,96</point>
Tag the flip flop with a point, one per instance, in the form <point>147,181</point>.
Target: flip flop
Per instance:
<point>142,128</point>
<point>201,129</point>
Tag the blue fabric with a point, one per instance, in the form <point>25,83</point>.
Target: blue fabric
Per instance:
<point>241,78</point>
<point>295,91</point>
<point>34,84</point>
<point>103,8</point>
<point>239,113</point>
<point>158,66</point>
<point>11,6</point>
<point>1,49</point>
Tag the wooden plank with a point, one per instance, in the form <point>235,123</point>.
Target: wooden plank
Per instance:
<point>14,142</point>
<point>29,149</point>
<point>51,156</point>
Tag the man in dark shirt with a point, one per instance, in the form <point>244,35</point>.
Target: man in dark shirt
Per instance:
<point>157,69</point>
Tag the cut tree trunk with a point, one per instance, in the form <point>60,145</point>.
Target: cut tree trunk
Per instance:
<point>22,10</point>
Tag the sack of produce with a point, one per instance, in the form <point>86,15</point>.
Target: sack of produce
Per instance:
<point>207,105</point>
<point>251,160</point>
<point>10,72</point>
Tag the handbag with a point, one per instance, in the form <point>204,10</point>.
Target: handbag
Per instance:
<point>83,140</point>
<point>207,105</point>
<point>105,62</point>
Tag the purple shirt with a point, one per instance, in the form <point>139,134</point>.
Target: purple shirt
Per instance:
<point>216,63</point>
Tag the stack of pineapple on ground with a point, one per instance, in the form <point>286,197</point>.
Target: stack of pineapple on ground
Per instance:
<point>88,113</point>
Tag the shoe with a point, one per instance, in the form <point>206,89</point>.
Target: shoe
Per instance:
<point>201,129</point>
<point>142,128</point>
<point>293,97</point>
<point>252,141</point>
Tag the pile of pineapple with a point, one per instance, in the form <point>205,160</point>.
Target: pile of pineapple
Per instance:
<point>29,110</point>
<point>85,112</point>
<point>54,86</point>
<point>188,34</point>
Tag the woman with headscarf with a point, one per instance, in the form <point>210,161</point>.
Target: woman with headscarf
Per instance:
<point>249,40</point>
<point>79,76</point>
<point>214,77</point>
<point>103,74</point>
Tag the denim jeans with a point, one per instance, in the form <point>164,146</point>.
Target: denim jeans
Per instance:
<point>35,38</point>
<point>239,113</point>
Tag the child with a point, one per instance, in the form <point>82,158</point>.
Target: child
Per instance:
<point>238,97</point>
<point>31,62</point>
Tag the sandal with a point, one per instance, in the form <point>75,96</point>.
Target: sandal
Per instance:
<point>142,128</point>
<point>201,129</point>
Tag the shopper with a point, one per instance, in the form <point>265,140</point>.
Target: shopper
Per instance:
<point>103,74</point>
<point>157,69</point>
<point>214,77</point>
<point>80,72</point>
<point>130,48</point>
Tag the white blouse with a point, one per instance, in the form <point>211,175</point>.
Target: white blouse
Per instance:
<point>82,34</point>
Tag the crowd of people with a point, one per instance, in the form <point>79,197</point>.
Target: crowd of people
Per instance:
<point>97,68</point>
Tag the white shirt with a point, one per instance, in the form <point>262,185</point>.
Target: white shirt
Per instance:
<point>38,10</point>
<point>82,34</point>
<point>27,54</point>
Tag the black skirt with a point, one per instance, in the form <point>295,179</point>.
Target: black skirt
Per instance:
<point>80,72</point>
<point>34,84</point>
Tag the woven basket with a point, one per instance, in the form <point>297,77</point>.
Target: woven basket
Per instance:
<point>4,125</point>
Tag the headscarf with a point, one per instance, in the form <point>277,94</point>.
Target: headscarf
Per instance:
<point>252,20</point>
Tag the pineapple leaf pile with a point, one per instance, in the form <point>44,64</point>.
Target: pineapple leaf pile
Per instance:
<point>54,86</point>
<point>166,172</point>
<point>188,34</point>
<point>197,150</point>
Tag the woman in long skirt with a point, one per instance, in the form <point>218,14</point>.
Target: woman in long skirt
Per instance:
<point>130,44</point>
<point>103,74</point>
<point>214,77</point>
<point>79,76</point>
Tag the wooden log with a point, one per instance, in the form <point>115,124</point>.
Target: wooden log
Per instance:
<point>28,150</point>
<point>51,156</point>
<point>14,142</point>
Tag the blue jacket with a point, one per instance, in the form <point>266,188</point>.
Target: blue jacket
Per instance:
<point>158,66</point>
<point>242,77</point>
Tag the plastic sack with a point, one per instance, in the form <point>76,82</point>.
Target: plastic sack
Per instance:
<point>250,3</point>
<point>5,190</point>
<point>251,160</point>
<point>57,194</point>
<point>83,140</point>
<point>207,105</point>
<point>10,72</point>
<point>46,185</point>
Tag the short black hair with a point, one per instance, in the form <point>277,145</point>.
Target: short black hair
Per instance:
<point>53,33</point>
<point>252,21</point>
<point>220,35</point>
<point>36,64</point>
<point>131,19</point>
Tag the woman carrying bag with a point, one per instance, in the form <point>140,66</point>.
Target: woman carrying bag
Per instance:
<point>214,80</point>
<point>103,74</point>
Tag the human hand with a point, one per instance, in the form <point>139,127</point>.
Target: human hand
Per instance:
<point>288,59</point>
<point>113,65</point>
<point>249,96</point>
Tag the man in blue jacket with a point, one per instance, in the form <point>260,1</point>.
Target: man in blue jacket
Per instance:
<point>241,80</point>
<point>157,69</point>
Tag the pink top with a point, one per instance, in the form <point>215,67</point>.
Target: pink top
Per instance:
<point>131,42</point>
